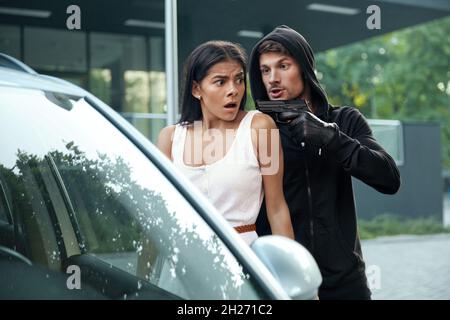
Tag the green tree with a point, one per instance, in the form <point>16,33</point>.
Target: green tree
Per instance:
<point>402,75</point>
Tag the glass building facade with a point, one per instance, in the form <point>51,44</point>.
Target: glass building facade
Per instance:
<point>130,53</point>
<point>123,65</point>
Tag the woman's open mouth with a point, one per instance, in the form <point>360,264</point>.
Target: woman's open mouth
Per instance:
<point>231,105</point>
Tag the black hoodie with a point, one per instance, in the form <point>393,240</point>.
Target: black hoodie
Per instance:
<point>317,183</point>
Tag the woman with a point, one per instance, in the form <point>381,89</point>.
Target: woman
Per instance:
<point>221,147</point>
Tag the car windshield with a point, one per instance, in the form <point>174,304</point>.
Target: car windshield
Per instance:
<point>74,186</point>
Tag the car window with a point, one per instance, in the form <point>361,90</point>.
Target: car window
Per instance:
<point>6,227</point>
<point>81,188</point>
<point>28,190</point>
<point>4,204</point>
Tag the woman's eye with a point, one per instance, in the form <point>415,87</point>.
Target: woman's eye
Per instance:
<point>284,66</point>
<point>264,71</point>
<point>240,80</point>
<point>219,82</point>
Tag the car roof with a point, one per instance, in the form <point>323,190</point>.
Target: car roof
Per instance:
<point>20,79</point>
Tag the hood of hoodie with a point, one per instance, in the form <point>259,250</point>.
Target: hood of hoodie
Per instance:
<point>299,48</point>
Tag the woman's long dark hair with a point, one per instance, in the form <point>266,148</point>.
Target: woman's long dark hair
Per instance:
<point>196,68</point>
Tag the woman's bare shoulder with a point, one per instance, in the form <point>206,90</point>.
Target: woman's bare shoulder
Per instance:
<point>168,131</point>
<point>165,139</point>
<point>263,121</point>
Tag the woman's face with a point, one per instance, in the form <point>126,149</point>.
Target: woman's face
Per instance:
<point>220,92</point>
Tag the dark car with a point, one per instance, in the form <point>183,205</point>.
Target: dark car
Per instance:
<point>89,208</point>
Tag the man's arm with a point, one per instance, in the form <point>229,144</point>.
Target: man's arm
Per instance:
<point>361,155</point>
<point>350,140</point>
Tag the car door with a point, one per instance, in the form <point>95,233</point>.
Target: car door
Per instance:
<point>81,194</point>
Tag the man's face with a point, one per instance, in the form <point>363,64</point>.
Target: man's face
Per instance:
<point>281,75</point>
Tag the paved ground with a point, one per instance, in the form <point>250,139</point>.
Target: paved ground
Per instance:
<point>409,267</point>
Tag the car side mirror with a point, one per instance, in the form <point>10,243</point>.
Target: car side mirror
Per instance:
<point>291,264</point>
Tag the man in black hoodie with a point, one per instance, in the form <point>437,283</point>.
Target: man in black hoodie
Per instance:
<point>322,149</point>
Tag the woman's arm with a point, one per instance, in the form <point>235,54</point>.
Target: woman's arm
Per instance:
<point>266,140</point>
<point>164,142</point>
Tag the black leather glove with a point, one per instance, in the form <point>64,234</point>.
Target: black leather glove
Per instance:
<point>308,128</point>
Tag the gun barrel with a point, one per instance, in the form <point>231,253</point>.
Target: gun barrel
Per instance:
<point>281,105</point>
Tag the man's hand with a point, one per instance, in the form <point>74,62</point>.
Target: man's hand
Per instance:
<point>308,128</point>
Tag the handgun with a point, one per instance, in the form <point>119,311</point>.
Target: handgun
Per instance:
<point>282,111</point>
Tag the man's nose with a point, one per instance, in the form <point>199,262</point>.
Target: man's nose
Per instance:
<point>274,77</point>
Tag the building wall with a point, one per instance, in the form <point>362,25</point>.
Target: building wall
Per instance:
<point>126,71</point>
<point>420,194</point>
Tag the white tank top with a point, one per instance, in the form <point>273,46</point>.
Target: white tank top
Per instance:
<point>233,184</point>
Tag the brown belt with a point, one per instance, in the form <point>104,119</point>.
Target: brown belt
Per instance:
<point>245,228</point>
